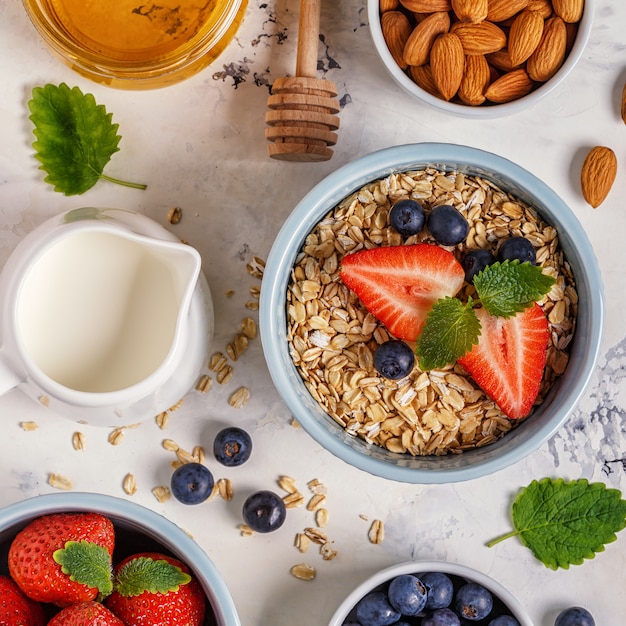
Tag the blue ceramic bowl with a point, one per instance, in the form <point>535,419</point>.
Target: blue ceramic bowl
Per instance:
<point>137,529</point>
<point>459,572</point>
<point>531,433</point>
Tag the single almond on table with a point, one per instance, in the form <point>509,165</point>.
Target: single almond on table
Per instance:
<point>426,6</point>
<point>472,11</point>
<point>549,55</point>
<point>598,174</point>
<point>396,29</point>
<point>524,35</point>
<point>447,63</point>
<point>569,10</point>
<point>420,41</point>
<point>475,81</point>
<point>502,10</point>
<point>481,38</point>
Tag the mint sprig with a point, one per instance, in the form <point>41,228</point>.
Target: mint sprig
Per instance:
<point>145,574</point>
<point>511,287</point>
<point>452,327</point>
<point>563,523</point>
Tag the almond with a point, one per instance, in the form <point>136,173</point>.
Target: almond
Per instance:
<point>422,76</point>
<point>501,60</point>
<point>543,6</point>
<point>501,10</point>
<point>396,29</point>
<point>389,5</point>
<point>447,63</point>
<point>549,55</point>
<point>426,6</point>
<point>510,86</point>
<point>481,38</point>
<point>524,35</point>
<point>569,10</point>
<point>475,80</point>
<point>472,11</point>
<point>420,41</point>
<point>597,175</point>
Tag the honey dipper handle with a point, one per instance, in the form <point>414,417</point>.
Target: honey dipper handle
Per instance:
<point>308,38</point>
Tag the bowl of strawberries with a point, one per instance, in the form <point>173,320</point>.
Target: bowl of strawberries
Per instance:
<point>84,558</point>
<point>431,313</point>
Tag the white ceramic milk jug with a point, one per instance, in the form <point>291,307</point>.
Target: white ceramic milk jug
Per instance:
<point>104,316</point>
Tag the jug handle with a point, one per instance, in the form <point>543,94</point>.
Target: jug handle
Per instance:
<point>8,378</point>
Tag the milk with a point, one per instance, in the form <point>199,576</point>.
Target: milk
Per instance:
<point>97,312</point>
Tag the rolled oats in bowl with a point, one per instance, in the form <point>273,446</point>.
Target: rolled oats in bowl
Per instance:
<point>332,337</point>
<point>319,339</point>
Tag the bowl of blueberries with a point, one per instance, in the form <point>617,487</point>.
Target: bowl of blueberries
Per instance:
<point>438,593</point>
<point>380,314</point>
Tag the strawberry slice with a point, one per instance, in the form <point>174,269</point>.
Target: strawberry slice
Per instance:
<point>508,360</point>
<point>400,284</point>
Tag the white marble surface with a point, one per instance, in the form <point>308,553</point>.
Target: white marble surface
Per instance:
<point>200,145</point>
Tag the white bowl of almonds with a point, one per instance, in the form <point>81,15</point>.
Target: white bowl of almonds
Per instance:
<point>357,317</point>
<point>480,58</point>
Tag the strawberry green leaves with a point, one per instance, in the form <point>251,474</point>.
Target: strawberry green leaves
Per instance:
<point>143,574</point>
<point>87,563</point>
<point>75,138</point>
<point>503,289</point>
<point>563,523</point>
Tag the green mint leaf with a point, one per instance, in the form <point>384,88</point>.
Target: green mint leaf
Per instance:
<point>143,574</point>
<point>510,287</point>
<point>75,138</point>
<point>87,563</point>
<point>450,330</point>
<point>563,523</point>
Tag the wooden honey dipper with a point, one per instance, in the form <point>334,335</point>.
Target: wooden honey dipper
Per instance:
<point>302,115</point>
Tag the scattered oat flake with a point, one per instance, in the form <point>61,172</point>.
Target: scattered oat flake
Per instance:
<point>225,488</point>
<point>303,571</point>
<point>129,484</point>
<point>217,361</point>
<point>302,542</point>
<point>316,502</point>
<point>161,493</point>
<point>116,436</point>
<point>249,328</point>
<point>162,419</point>
<point>58,481</point>
<point>224,375</point>
<point>175,215</point>
<point>245,530</point>
<point>316,535</point>
<point>204,383</point>
<point>78,441</point>
<point>288,484</point>
<point>229,293</point>
<point>256,267</point>
<point>377,531</point>
<point>28,426</point>
<point>45,400</point>
<point>184,457</point>
<point>321,517</point>
<point>170,444</point>
<point>252,305</point>
<point>198,454</point>
<point>327,551</point>
<point>177,406</point>
<point>239,398</point>
<point>316,486</point>
<point>292,500</point>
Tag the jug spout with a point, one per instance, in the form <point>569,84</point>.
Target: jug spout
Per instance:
<point>8,378</point>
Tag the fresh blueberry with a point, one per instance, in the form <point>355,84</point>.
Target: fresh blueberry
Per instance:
<point>575,616</point>
<point>447,225</point>
<point>442,617</point>
<point>232,446</point>
<point>475,261</point>
<point>407,217</point>
<point>407,594</point>
<point>440,590</point>
<point>264,511</point>
<point>504,620</point>
<point>394,359</point>
<point>473,602</point>
<point>517,248</point>
<point>374,609</point>
<point>192,483</point>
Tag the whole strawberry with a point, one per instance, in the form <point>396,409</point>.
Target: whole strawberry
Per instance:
<point>85,614</point>
<point>63,558</point>
<point>16,608</point>
<point>153,589</point>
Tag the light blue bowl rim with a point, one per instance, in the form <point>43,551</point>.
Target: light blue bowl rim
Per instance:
<point>139,518</point>
<point>376,165</point>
